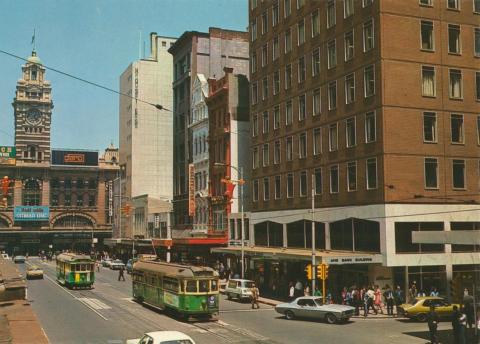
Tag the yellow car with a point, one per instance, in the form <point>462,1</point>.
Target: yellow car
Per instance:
<point>34,272</point>
<point>421,306</point>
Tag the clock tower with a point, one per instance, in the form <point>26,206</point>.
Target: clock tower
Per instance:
<point>33,113</point>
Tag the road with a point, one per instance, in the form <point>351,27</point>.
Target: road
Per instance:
<point>106,314</point>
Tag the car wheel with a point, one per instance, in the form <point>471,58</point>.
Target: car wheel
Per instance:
<point>330,318</point>
<point>289,315</point>
<point>422,317</point>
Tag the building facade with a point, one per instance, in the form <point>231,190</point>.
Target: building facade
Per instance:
<point>145,131</point>
<point>53,199</point>
<point>372,107</point>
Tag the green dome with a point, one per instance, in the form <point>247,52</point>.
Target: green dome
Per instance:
<point>34,58</point>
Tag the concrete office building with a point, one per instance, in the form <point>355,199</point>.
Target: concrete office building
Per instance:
<point>378,101</point>
<point>145,131</point>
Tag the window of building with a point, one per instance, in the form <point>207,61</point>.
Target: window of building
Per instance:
<point>289,148</point>
<point>366,3</point>
<point>254,93</point>
<point>67,200</point>
<point>301,32</point>
<point>331,15</point>
<point>288,40</point>
<point>351,132</point>
<point>253,28</point>
<point>302,145</point>
<point>429,127</point>
<point>454,39</point>
<point>316,62</point>
<point>92,200</point>
<point>276,117</point>
<point>458,173</point>
<point>403,237</point>
<point>266,189</point>
<point>477,85</point>
<point>369,81</point>
<point>290,185</point>
<point>317,141</point>
<point>264,55</point>
<point>316,102</point>
<point>253,63</point>
<point>428,81</point>
<point>478,130</point>
<point>302,107</point>
<point>426,35</point>
<point>54,199</point>
<point>275,14</point>
<point>33,74</point>
<point>456,87</point>
<point>332,53</point>
<point>31,193</point>
<point>318,181</point>
<point>265,122</point>
<point>255,125</point>
<point>452,4</point>
<point>476,6</point>
<point>349,46</point>
<point>426,2</point>
<point>264,22</point>
<point>465,226</point>
<point>79,200</point>
<point>278,187</point>
<point>302,72</point>
<point>265,155</point>
<point>348,8</point>
<point>333,137</point>
<point>255,158</point>
<point>303,183</point>
<point>371,173</point>
<point>431,173</point>
<point>276,152</point>
<point>288,76</point>
<point>288,113</point>
<point>332,95</point>
<point>456,126</point>
<point>287,9</point>
<point>368,36</point>
<point>276,82</point>
<point>350,88</point>
<point>352,176</point>
<point>315,23</point>
<point>264,88</point>
<point>254,4</point>
<point>275,48</point>
<point>334,179</point>
<point>255,190</point>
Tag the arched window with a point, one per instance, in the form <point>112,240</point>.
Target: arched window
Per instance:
<point>32,194</point>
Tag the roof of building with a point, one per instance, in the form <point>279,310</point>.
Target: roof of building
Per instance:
<point>34,58</point>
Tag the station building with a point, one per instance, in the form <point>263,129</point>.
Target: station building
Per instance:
<point>52,199</point>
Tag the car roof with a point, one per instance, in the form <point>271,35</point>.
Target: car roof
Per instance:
<point>168,335</point>
<point>239,280</point>
<point>429,298</point>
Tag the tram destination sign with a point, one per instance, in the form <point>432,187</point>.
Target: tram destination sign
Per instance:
<point>31,213</point>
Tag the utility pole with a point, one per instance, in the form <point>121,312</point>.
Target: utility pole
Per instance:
<point>314,264</point>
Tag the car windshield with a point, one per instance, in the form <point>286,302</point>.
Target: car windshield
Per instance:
<point>247,284</point>
<point>118,261</point>
<point>319,302</point>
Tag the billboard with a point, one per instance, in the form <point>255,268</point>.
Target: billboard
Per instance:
<point>7,155</point>
<point>31,213</point>
<point>191,189</point>
<point>74,158</point>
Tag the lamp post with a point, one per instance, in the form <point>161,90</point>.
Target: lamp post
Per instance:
<point>240,182</point>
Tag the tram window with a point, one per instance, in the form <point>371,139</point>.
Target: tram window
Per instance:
<point>214,285</point>
<point>83,267</point>
<point>203,286</point>
<point>152,280</point>
<point>73,268</point>
<point>191,287</point>
<point>170,284</point>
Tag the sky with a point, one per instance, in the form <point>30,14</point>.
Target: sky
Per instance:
<point>95,40</point>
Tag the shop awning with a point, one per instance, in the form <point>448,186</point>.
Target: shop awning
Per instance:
<point>280,253</point>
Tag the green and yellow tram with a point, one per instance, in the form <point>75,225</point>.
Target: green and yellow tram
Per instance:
<point>184,289</point>
<point>75,270</point>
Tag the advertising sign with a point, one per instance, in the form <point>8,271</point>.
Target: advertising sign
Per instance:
<point>7,155</point>
<point>170,299</point>
<point>377,258</point>
<point>191,189</point>
<point>74,158</point>
<point>31,213</point>
<point>110,198</point>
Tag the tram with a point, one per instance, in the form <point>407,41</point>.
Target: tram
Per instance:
<point>75,270</point>
<point>186,290</point>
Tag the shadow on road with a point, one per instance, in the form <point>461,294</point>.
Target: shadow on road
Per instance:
<point>444,336</point>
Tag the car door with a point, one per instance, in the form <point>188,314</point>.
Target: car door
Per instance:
<point>443,309</point>
<point>310,309</point>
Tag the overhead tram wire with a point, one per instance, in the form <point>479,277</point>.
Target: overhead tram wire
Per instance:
<point>158,106</point>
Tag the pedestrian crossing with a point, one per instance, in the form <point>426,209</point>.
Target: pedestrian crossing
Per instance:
<point>93,303</point>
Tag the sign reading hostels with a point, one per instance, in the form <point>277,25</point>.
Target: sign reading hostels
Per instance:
<point>31,213</point>
<point>75,158</point>
<point>7,155</point>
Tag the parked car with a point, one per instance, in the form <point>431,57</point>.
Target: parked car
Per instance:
<point>117,264</point>
<point>5,256</point>
<point>19,259</point>
<point>311,307</point>
<point>420,306</point>
<point>162,337</point>
<point>129,265</point>
<point>106,262</point>
<point>239,288</point>
<point>34,272</point>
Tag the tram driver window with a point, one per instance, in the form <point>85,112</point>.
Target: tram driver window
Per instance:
<point>191,287</point>
<point>214,285</point>
<point>203,286</point>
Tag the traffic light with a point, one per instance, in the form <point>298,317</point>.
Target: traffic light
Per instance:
<point>325,271</point>
<point>320,271</point>
<point>308,270</point>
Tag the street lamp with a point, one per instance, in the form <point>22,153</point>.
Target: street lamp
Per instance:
<point>239,182</point>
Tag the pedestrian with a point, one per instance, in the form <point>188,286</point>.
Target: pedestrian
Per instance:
<point>221,270</point>
<point>432,319</point>
<point>120,274</point>
<point>255,295</point>
<point>378,299</point>
<point>317,292</point>
<point>421,293</point>
<point>455,324</point>
<point>348,297</point>
<point>462,328</point>
<point>434,292</point>
<point>369,301</point>
<point>306,290</point>
<point>344,296</point>
<point>412,292</point>
<point>398,297</point>
<point>356,300</point>
<point>291,292</point>
<point>298,289</point>
<point>389,299</point>
<point>469,311</point>
<point>97,264</point>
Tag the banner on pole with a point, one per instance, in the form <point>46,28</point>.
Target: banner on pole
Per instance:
<point>191,189</point>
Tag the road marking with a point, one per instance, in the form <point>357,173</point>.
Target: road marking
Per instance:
<point>94,303</point>
<point>129,299</point>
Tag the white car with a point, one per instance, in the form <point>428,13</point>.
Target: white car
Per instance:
<point>163,337</point>
<point>117,264</point>
<point>239,288</point>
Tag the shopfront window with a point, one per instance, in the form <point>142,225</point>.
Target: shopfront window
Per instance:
<point>341,235</point>
<point>319,235</point>
<point>366,235</point>
<point>403,237</point>
<point>428,277</point>
<point>269,234</point>
<point>465,226</point>
<point>261,234</point>
<point>296,234</point>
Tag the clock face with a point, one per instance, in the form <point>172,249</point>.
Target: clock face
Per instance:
<point>34,116</point>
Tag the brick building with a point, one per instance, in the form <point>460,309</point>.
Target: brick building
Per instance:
<point>373,104</point>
